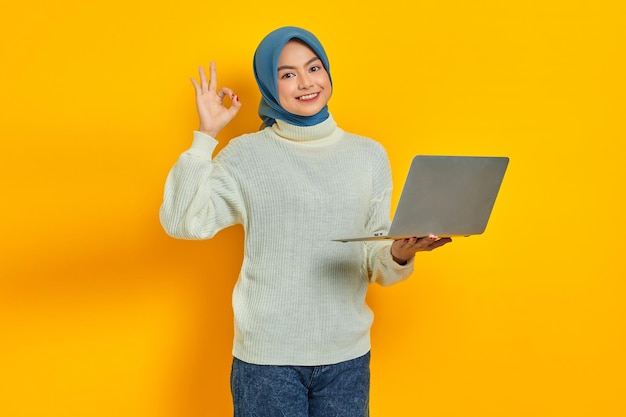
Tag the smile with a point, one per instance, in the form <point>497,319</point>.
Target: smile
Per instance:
<point>308,96</point>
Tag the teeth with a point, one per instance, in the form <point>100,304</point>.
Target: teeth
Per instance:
<point>307,97</point>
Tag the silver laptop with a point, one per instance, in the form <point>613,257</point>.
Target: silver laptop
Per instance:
<point>445,196</point>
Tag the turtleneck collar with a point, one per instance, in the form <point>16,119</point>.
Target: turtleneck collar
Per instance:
<point>322,130</point>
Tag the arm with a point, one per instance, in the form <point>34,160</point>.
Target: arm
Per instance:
<point>201,198</point>
<point>382,268</point>
<point>392,263</point>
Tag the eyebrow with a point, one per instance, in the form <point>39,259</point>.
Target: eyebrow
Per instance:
<point>310,61</point>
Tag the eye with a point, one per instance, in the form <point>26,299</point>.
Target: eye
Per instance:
<point>315,68</point>
<point>288,75</point>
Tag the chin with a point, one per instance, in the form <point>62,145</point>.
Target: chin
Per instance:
<point>308,111</point>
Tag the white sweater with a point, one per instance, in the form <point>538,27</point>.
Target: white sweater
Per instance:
<point>300,297</point>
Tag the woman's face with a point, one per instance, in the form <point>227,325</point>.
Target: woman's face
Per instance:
<point>303,83</point>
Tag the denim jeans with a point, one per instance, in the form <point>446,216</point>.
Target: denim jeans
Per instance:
<point>339,390</point>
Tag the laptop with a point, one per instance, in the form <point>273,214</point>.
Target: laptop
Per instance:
<point>445,196</point>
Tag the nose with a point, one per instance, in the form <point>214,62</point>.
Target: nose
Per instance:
<point>305,82</point>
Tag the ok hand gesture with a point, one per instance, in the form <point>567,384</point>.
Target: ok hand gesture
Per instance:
<point>213,114</point>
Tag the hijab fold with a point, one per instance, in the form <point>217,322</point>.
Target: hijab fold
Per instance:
<point>265,67</point>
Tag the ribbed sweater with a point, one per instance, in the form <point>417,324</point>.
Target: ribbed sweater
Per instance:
<point>300,296</point>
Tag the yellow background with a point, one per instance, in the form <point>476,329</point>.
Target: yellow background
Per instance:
<point>101,314</point>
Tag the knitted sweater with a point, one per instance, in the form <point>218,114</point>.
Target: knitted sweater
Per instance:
<point>300,297</point>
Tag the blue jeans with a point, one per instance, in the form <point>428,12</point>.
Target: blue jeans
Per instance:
<point>340,390</point>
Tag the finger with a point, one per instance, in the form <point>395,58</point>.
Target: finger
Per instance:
<point>225,91</point>
<point>203,81</point>
<point>235,103</point>
<point>429,239</point>
<point>420,243</point>
<point>435,245</point>
<point>196,86</point>
<point>212,77</point>
<point>439,243</point>
<point>401,243</point>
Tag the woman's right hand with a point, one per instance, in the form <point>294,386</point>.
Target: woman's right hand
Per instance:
<point>213,114</point>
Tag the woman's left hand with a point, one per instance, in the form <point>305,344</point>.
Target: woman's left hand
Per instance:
<point>403,250</point>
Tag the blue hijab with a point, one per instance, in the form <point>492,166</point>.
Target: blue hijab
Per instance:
<point>266,73</point>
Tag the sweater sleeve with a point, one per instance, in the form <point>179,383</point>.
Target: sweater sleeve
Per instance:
<point>384,270</point>
<point>200,197</point>
<point>381,266</point>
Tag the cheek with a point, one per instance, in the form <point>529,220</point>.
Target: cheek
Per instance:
<point>282,92</point>
<point>324,80</point>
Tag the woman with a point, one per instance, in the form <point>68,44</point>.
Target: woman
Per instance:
<point>302,328</point>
